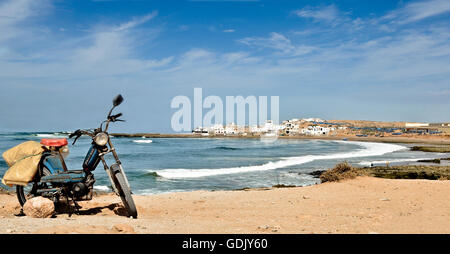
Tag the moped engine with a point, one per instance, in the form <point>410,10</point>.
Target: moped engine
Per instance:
<point>84,190</point>
<point>79,189</point>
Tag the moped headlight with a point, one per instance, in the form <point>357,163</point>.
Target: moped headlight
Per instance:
<point>101,139</point>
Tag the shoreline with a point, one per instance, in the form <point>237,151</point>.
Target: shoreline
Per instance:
<point>405,140</point>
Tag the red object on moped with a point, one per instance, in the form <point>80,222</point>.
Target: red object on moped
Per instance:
<point>54,142</point>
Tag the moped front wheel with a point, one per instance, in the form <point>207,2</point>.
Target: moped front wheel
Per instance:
<point>125,194</point>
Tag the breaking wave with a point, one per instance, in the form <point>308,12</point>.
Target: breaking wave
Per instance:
<point>51,135</point>
<point>367,149</point>
<point>143,141</point>
<point>102,187</point>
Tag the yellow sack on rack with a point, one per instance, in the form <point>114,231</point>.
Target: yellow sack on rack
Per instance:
<point>23,160</point>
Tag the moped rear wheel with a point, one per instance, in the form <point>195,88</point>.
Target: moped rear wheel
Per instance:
<point>29,191</point>
<point>125,194</point>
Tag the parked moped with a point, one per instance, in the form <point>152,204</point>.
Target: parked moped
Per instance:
<point>54,180</point>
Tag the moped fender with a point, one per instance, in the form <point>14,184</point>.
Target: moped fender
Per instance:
<point>111,172</point>
<point>118,168</point>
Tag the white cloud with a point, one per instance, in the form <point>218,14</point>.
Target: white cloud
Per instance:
<point>115,42</point>
<point>228,31</point>
<point>417,11</point>
<point>327,13</point>
<point>13,13</point>
<point>16,11</point>
<point>136,21</point>
<point>235,56</point>
<point>106,45</point>
<point>196,54</point>
<point>279,43</point>
<point>104,50</point>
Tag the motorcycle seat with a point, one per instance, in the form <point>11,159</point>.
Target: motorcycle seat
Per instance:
<point>54,142</point>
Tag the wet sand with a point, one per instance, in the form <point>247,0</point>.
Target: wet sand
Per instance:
<point>361,205</point>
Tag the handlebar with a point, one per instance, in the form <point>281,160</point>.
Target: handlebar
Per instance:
<point>111,118</point>
<point>117,115</point>
<point>75,140</point>
<point>114,118</point>
<point>78,133</point>
<point>75,133</point>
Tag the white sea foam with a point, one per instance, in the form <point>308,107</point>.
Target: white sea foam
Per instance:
<point>102,187</point>
<point>155,191</point>
<point>143,141</point>
<point>367,149</point>
<point>54,135</point>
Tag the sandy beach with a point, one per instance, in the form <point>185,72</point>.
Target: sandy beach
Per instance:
<point>362,205</point>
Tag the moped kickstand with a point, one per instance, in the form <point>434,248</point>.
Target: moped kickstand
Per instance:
<point>77,207</point>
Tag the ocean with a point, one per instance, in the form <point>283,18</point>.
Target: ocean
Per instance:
<point>161,165</point>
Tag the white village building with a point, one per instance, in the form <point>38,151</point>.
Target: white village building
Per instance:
<point>316,130</point>
<point>217,129</point>
<point>231,129</point>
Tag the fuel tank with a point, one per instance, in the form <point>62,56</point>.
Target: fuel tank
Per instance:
<point>92,159</point>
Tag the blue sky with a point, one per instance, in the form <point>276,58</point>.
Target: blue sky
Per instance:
<point>61,62</point>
